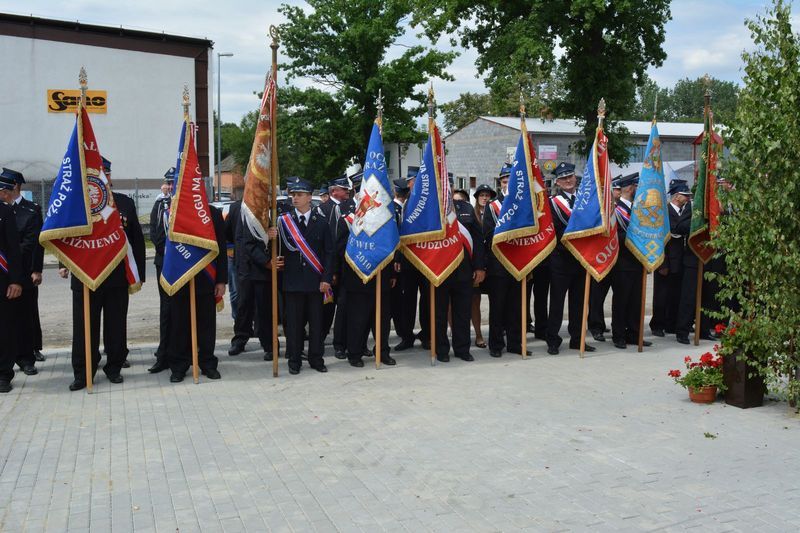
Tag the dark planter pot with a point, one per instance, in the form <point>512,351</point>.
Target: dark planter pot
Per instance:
<point>742,391</point>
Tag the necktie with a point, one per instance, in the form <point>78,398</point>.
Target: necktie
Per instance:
<point>303,222</point>
<point>571,201</point>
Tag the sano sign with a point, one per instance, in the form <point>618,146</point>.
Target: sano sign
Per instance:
<point>66,101</point>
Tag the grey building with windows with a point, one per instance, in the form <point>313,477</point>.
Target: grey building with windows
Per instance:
<point>476,152</point>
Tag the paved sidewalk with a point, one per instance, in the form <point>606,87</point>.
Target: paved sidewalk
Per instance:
<point>546,444</point>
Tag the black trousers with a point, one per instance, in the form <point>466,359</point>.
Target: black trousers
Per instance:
<point>302,307</point>
<point>163,319</point>
<point>597,300</point>
<point>112,302</point>
<point>626,305</point>
<point>361,320</point>
<point>340,321</point>
<point>567,276</point>
<point>505,307</point>
<point>255,303</point>
<point>539,288</point>
<point>412,282</point>
<point>686,306</point>
<point>396,307</point>
<point>37,324</point>
<point>329,311</point>
<point>179,352</point>
<point>23,311</point>
<point>666,299</point>
<point>455,295</point>
<point>7,355</point>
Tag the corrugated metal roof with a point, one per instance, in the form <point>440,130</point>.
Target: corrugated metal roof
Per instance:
<point>570,126</point>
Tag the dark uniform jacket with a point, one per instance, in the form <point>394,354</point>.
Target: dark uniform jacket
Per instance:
<point>489,223</point>
<point>333,214</point>
<point>466,215</point>
<point>560,221</point>
<point>676,246</point>
<point>9,246</point>
<point>29,221</point>
<point>133,230</point>
<point>158,231</point>
<point>626,261</point>
<point>203,283</point>
<point>298,275</point>
<point>683,228</point>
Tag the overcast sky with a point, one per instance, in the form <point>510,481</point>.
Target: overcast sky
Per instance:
<point>703,37</point>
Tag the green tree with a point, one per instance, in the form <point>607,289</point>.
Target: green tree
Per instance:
<point>539,92</point>
<point>646,101</point>
<point>349,50</point>
<point>761,236</point>
<point>607,46</point>
<point>686,100</point>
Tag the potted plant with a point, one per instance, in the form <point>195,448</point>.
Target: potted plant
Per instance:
<point>703,378</point>
<point>744,383</point>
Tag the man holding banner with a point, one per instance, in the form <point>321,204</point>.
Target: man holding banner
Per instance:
<point>369,254</point>
<point>194,274</point>
<point>521,235</point>
<point>83,228</point>
<point>11,279</point>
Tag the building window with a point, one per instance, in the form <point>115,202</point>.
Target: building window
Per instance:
<point>473,182</point>
<point>636,153</point>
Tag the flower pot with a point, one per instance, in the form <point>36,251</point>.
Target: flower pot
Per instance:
<point>703,394</point>
<point>742,391</point>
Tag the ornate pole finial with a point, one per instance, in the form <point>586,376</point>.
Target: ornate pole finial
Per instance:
<point>83,80</point>
<point>185,100</point>
<point>601,112</point>
<point>379,105</point>
<point>273,32</point>
<point>707,83</point>
<point>655,107</point>
<point>521,106</point>
<point>431,102</point>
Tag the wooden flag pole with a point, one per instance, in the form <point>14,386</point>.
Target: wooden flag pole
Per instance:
<point>273,194</point>
<point>193,318</point>
<point>524,319</point>
<point>698,297</point>
<point>641,312</point>
<point>378,320</point>
<point>433,322</point>
<point>585,317</point>
<point>87,339</point>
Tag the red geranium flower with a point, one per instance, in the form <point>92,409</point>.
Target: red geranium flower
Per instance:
<point>719,328</point>
<point>687,359</point>
<point>674,373</point>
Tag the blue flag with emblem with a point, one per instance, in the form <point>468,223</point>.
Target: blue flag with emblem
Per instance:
<point>424,216</point>
<point>191,245</point>
<point>648,231</point>
<point>373,234</point>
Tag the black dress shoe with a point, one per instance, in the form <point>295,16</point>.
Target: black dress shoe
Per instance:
<point>116,378</point>
<point>528,353</point>
<point>5,386</point>
<point>176,377</point>
<point>212,373</point>
<point>39,356</point>
<point>644,343</point>
<point>77,385</point>
<point>599,337</point>
<point>683,339</point>
<point>158,367</point>
<point>29,370</point>
<point>405,344</point>
<point>443,358</point>
<point>340,354</point>
<point>358,363</point>
<point>426,345</point>
<point>708,337</point>
<point>388,360</point>
<point>620,344</point>
<point>126,364</point>
<point>657,332</point>
<point>466,357</point>
<point>294,371</point>
<point>236,349</point>
<point>552,350</point>
<point>322,368</point>
<point>495,353</point>
<point>267,356</point>
<point>577,346</point>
